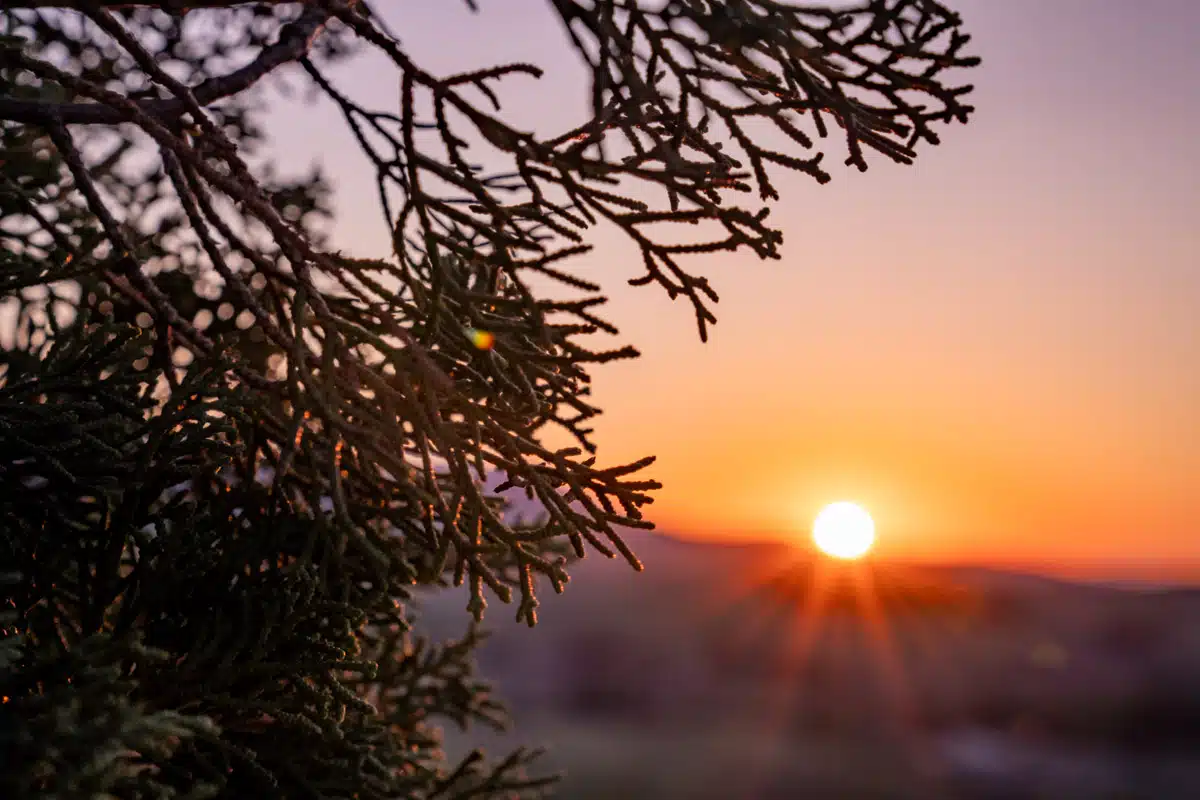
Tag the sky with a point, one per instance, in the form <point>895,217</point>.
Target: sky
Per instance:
<point>996,350</point>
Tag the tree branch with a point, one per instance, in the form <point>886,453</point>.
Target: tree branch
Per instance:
<point>172,6</point>
<point>295,40</point>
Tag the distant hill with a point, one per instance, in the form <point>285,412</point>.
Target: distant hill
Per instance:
<point>717,637</point>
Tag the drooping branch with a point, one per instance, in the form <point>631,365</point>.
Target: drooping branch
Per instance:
<point>294,42</point>
<point>172,6</point>
<point>383,355</point>
<point>278,477</point>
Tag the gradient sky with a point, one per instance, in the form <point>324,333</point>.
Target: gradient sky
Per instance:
<point>997,350</point>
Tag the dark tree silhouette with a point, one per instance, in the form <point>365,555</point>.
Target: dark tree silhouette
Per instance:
<point>230,455</point>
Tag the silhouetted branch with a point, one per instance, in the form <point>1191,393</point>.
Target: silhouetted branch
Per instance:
<point>295,40</point>
<point>220,436</point>
<point>379,354</point>
<point>171,6</point>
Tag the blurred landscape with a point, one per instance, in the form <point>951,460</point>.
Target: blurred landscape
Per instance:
<point>756,671</point>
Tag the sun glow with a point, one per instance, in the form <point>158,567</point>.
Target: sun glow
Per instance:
<point>843,530</point>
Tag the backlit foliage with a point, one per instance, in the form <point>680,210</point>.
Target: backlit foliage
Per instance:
<point>230,455</point>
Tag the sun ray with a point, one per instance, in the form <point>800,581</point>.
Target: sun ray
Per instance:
<point>798,639</point>
<point>891,670</point>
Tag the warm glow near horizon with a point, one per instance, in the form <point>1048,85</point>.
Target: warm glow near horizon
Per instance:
<point>844,530</point>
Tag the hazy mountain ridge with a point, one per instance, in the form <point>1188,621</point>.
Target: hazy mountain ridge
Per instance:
<point>984,667</point>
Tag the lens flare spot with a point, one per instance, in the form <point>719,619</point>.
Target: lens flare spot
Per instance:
<point>483,340</point>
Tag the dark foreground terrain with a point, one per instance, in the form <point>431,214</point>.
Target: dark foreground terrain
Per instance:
<point>740,672</point>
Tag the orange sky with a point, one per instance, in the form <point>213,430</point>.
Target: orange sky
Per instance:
<point>997,351</point>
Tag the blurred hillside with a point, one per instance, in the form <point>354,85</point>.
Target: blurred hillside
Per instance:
<point>751,672</point>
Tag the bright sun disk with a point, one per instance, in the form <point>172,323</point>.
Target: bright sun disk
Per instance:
<point>843,530</point>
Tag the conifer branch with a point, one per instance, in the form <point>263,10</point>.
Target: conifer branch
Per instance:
<point>294,42</point>
<point>230,455</point>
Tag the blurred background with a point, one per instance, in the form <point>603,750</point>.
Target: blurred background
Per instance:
<point>760,671</point>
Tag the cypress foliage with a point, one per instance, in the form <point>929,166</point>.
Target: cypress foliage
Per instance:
<point>230,457</point>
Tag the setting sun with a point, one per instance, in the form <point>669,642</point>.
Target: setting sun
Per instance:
<point>843,530</point>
